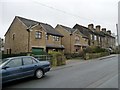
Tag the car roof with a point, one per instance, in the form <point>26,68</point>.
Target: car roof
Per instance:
<point>18,57</point>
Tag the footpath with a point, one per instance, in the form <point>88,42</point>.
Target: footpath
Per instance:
<point>72,62</point>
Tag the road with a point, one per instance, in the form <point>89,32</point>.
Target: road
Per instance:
<point>99,73</point>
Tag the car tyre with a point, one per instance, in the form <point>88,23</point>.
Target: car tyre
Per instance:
<point>39,74</point>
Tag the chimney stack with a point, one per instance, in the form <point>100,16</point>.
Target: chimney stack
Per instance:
<point>109,32</point>
<point>91,26</point>
<point>104,29</point>
<point>98,28</point>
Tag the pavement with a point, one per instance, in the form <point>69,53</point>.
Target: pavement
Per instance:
<point>71,62</point>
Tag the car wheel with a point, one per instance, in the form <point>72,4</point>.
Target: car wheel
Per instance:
<point>39,74</point>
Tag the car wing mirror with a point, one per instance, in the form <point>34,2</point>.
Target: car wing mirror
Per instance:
<point>5,67</point>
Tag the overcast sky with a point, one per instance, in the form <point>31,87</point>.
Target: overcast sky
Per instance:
<point>65,12</point>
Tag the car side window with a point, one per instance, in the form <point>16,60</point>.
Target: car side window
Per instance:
<point>15,63</point>
<point>28,61</point>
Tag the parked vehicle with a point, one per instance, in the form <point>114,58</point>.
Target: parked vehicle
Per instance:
<point>21,67</point>
<point>109,50</point>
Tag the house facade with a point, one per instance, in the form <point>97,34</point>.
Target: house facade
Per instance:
<point>109,40</point>
<point>73,40</point>
<point>88,32</point>
<point>97,36</point>
<point>25,35</point>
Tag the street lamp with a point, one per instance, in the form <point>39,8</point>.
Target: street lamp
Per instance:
<point>29,30</point>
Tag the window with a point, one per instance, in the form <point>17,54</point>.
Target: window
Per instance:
<point>47,37</point>
<point>85,39</point>
<point>13,36</point>
<point>38,35</point>
<point>91,37</point>
<point>77,39</point>
<point>56,38</point>
<point>95,37</point>
<point>99,39</point>
<point>15,63</point>
<point>28,61</point>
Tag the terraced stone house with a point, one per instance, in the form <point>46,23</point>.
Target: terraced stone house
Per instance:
<point>97,36</point>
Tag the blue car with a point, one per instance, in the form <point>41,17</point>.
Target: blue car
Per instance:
<point>21,67</point>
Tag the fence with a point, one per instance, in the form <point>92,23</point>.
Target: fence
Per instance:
<point>43,57</point>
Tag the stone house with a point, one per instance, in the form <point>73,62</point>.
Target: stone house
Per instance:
<point>25,35</point>
<point>94,38</point>
<point>73,40</point>
<point>97,36</point>
<point>109,40</point>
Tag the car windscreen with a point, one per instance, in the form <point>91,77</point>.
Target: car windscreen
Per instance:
<point>3,60</point>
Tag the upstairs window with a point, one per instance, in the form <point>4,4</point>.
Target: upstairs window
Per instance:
<point>77,39</point>
<point>47,37</point>
<point>95,37</point>
<point>13,36</point>
<point>92,37</point>
<point>38,35</point>
<point>99,38</point>
<point>56,38</point>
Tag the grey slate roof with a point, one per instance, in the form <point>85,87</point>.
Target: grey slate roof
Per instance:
<point>71,30</point>
<point>82,29</point>
<point>48,28</point>
<point>55,46</point>
<point>86,31</point>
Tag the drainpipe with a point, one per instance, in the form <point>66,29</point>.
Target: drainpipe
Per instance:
<point>29,30</point>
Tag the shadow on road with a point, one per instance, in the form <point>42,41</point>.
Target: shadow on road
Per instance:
<point>21,81</point>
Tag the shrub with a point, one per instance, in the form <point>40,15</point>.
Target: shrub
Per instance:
<point>93,49</point>
<point>58,58</point>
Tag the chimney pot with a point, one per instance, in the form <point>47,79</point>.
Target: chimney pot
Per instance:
<point>98,28</point>
<point>109,32</point>
<point>104,29</point>
<point>91,26</point>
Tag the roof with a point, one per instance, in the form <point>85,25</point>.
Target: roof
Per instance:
<point>54,46</point>
<point>49,29</point>
<point>71,30</point>
<point>98,33</point>
<point>105,33</point>
<point>86,31</point>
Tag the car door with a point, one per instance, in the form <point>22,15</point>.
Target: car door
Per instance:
<point>29,66</point>
<point>13,71</point>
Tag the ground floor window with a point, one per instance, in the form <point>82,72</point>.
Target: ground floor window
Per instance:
<point>9,51</point>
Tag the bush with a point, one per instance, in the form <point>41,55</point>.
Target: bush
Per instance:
<point>74,55</point>
<point>95,55</point>
<point>96,49</point>
<point>57,58</point>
